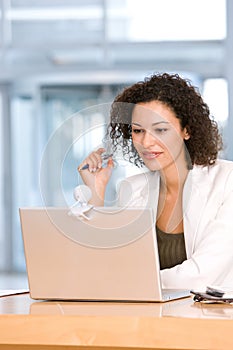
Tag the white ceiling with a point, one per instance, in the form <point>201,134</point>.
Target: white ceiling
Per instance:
<point>71,39</point>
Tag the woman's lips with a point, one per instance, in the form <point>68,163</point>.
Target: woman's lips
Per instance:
<point>151,155</point>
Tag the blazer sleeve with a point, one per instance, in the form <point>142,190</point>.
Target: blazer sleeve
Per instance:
<point>211,261</point>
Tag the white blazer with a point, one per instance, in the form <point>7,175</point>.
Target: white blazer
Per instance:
<point>208,223</point>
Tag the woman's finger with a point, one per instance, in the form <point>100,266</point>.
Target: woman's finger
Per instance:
<point>93,161</point>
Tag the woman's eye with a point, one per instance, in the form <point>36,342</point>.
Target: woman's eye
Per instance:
<point>137,131</point>
<point>160,130</point>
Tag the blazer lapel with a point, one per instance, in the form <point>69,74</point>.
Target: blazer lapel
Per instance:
<point>195,195</point>
<point>194,200</point>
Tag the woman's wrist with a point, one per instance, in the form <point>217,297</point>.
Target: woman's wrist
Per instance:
<point>98,194</point>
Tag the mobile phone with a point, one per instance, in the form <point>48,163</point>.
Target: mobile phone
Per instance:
<point>215,292</point>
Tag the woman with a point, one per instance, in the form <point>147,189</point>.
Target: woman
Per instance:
<point>163,124</point>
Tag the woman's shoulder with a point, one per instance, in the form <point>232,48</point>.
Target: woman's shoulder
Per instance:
<point>142,177</point>
<point>224,163</point>
<point>139,181</point>
<point>220,165</point>
<point>135,190</point>
<point>226,172</point>
<point>220,172</point>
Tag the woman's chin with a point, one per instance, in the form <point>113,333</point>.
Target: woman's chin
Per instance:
<point>153,165</point>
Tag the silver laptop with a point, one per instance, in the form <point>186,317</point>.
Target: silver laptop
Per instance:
<point>109,254</point>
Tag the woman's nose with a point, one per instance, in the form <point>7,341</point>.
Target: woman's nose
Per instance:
<point>148,139</point>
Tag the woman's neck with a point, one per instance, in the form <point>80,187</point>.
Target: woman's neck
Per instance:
<point>173,177</point>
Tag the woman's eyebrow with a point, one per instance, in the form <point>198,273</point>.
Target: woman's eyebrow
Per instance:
<point>159,122</point>
<point>162,122</point>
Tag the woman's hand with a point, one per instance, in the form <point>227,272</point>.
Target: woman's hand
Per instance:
<point>95,176</point>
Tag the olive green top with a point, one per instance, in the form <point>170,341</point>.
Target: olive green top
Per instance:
<point>171,247</point>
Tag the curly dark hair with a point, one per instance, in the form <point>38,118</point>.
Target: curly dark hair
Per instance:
<point>184,100</point>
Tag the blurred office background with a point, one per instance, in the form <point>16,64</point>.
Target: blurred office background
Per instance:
<point>60,57</point>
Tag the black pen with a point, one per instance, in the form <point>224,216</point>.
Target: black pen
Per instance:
<point>104,157</point>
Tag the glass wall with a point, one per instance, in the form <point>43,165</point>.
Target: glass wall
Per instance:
<point>25,165</point>
<point>50,136</point>
<point>76,119</point>
<point>5,181</point>
<point>215,94</point>
<point>155,20</point>
<point>2,236</point>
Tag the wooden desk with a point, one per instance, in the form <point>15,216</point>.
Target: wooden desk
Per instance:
<point>181,324</point>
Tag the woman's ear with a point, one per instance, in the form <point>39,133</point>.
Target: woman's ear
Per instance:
<point>186,134</point>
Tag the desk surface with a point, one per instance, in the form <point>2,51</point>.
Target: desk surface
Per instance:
<point>180,324</point>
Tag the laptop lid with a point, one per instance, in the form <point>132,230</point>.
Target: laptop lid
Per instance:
<point>111,255</point>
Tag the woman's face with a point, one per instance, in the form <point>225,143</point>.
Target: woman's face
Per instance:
<point>157,135</point>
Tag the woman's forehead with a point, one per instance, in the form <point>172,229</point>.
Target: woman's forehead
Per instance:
<point>153,113</point>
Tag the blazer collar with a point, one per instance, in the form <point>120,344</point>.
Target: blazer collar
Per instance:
<point>195,187</point>
<point>195,196</point>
